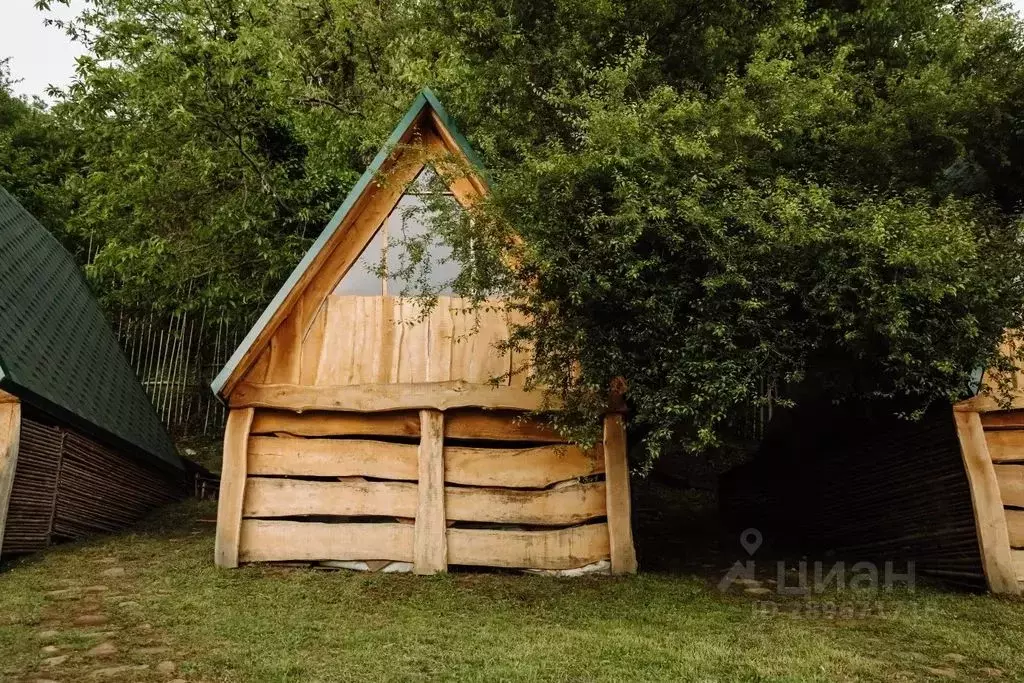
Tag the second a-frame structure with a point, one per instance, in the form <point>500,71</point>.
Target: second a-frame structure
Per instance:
<point>366,432</point>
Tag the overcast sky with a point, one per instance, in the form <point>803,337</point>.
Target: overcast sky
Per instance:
<point>42,55</point>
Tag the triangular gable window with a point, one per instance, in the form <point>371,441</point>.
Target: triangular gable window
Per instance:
<point>409,222</point>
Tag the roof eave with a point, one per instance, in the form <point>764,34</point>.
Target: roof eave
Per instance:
<point>168,461</point>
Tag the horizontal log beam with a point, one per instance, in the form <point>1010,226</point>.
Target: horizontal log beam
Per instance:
<point>1000,419</point>
<point>336,424</point>
<point>292,497</point>
<point>560,506</point>
<point>475,424</point>
<point>984,403</point>
<point>492,425</point>
<point>280,540</point>
<point>1005,445</point>
<point>1011,484</point>
<point>373,398</point>
<point>1015,527</point>
<point>557,549</point>
<point>298,457</point>
<point>534,467</point>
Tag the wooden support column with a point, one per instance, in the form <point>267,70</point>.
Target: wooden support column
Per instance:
<point>616,473</point>
<point>232,487</point>
<point>430,547</point>
<point>10,432</point>
<point>989,515</point>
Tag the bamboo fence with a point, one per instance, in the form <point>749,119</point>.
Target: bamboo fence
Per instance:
<point>176,356</point>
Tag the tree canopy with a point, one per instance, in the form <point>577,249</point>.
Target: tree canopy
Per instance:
<point>719,204</point>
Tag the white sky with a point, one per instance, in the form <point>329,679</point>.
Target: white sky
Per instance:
<point>42,55</point>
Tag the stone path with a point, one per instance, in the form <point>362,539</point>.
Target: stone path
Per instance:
<point>96,632</point>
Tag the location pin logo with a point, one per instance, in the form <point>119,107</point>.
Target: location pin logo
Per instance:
<point>751,540</point>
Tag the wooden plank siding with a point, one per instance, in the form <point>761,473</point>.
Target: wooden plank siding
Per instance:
<point>316,423</point>
<point>470,424</point>
<point>266,497</point>
<point>288,456</point>
<point>558,549</point>
<point>1015,528</point>
<point>1011,484</point>
<point>563,506</point>
<point>567,505</point>
<point>353,340</point>
<point>283,540</point>
<point>534,467</point>
<point>371,398</point>
<point>1005,445</point>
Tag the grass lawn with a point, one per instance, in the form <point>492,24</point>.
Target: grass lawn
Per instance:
<point>172,616</point>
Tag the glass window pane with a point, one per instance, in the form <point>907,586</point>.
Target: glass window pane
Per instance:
<point>361,278</point>
<point>408,230</point>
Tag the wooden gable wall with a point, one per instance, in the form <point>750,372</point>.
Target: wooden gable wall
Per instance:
<point>326,339</point>
<point>304,307</point>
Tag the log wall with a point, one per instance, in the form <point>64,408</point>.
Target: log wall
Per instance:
<point>428,488</point>
<point>68,486</point>
<point>380,433</point>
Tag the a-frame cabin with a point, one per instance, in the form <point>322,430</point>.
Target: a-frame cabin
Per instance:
<point>365,433</point>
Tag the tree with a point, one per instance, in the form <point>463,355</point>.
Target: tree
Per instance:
<point>825,203</point>
<point>702,199</point>
<point>35,156</point>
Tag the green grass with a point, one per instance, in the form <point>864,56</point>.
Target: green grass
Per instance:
<point>265,623</point>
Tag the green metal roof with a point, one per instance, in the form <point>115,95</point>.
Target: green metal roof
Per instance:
<point>425,99</point>
<point>57,351</point>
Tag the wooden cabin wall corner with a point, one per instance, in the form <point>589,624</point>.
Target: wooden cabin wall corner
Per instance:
<point>232,487</point>
<point>989,515</point>
<point>616,472</point>
<point>10,433</point>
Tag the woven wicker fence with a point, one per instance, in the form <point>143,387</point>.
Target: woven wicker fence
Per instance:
<point>176,357</point>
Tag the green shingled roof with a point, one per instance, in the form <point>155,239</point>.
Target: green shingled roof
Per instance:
<point>57,351</point>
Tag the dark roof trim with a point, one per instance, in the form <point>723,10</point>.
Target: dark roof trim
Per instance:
<point>65,416</point>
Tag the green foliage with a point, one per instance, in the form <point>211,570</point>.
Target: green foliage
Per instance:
<point>830,212</point>
<point>35,156</point>
<point>721,203</point>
